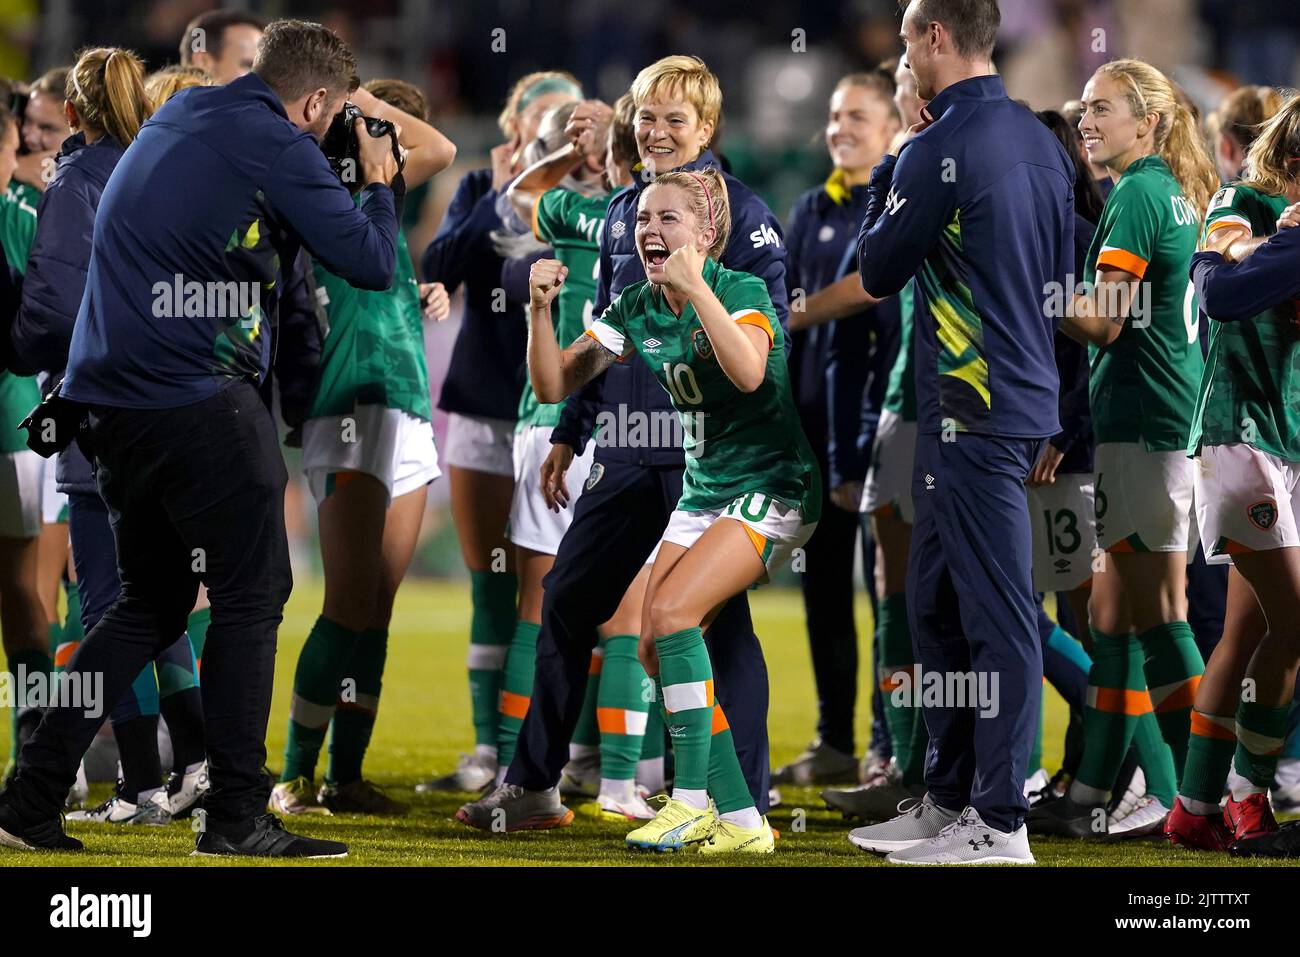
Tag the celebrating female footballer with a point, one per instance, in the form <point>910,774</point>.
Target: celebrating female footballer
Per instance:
<point>1245,432</point>
<point>1140,318</point>
<point>752,491</point>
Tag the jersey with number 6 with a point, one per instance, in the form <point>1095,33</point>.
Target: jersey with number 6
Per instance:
<point>735,442</point>
<point>1142,387</point>
<point>1250,391</point>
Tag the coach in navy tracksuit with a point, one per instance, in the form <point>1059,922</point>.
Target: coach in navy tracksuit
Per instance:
<point>838,373</point>
<point>187,457</point>
<point>979,207</point>
<point>623,510</point>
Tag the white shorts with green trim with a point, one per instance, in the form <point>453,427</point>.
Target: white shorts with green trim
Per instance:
<point>1064,531</point>
<point>480,444</point>
<point>1143,500</point>
<point>1246,501</point>
<point>775,529</point>
<point>22,475</point>
<point>889,480</point>
<point>532,524</point>
<point>54,504</point>
<point>392,445</point>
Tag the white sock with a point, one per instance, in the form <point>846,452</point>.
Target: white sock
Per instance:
<point>579,751</point>
<point>650,774</point>
<point>1203,808</point>
<point>143,797</point>
<point>1240,788</point>
<point>1288,772</point>
<point>193,768</point>
<point>746,817</point>
<point>501,775</point>
<point>696,798</point>
<point>622,791</point>
<point>1087,795</point>
<point>486,753</point>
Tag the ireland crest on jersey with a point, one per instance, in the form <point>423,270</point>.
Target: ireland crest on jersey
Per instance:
<point>700,342</point>
<point>1263,515</point>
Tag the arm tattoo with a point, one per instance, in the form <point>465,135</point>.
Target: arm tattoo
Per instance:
<point>589,359</point>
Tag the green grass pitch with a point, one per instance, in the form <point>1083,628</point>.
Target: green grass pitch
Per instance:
<point>424,724</point>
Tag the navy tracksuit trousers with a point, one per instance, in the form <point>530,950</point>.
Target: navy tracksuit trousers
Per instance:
<point>972,608</point>
<point>617,521</point>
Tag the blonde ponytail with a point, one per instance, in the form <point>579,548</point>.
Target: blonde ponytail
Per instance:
<point>106,88</point>
<point>1272,166</point>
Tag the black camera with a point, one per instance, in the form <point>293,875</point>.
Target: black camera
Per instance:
<point>343,150</point>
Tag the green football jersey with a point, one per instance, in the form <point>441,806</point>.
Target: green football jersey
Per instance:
<point>1142,387</point>
<point>735,443</point>
<point>900,392</point>
<point>570,223</point>
<point>374,349</point>
<point>18,394</point>
<point>1250,391</point>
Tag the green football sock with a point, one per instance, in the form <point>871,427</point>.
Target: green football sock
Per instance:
<point>686,676</point>
<point>197,628</point>
<point>586,735</point>
<point>895,638</point>
<point>727,784</point>
<point>54,633</point>
<point>1291,747</point>
<point>1036,751</point>
<point>491,630</point>
<point>1261,729</point>
<point>622,714</point>
<point>1117,698</point>
<point>358,705</point>
<point>516,690</point>
<point>72,630</point>
<point>316,682</point>
<point>1173,669</point>
<point>1209,756</point>
<point>1156,759</point>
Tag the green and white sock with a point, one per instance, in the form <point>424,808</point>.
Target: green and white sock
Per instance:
<point>1117,698</point>
<point>686,680</point>
<point>1156,759</point>
<point>197,628</point>
<point>516,692</point>
<point>1261,729</point>
<point>895,638</point>
<point>622,713</point>
<point>727,784</point>
<point>358,705</point>
<point>1209,757</point>
<point>650,768</point>
<point>586,735</point>
<point>316,681</point>
<point>1173,669</point>
<point>493,597</point>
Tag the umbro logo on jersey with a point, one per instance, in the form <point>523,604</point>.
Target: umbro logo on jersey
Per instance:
<point>1062,565</point>
<point>617,229</point>
<point>652,343</point>
<point>929,482</point>
<point>894,202</point>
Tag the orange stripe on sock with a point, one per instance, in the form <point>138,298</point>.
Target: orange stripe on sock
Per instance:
<point>892,680</point>
<point>63,654</point>
<point>597,662</point>
<point>1123,701</point>
<point>514,705</point>
<point>1206,727</point>
<point>719,720</point>
<point>611,721</point>
<point>1182,698</point>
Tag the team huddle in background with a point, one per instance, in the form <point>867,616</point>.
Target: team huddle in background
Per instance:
<point>1015,362</point>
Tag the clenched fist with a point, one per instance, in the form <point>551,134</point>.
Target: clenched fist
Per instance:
<point>544,281</point>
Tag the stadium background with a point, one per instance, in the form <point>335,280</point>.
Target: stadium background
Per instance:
<point>777,61</point>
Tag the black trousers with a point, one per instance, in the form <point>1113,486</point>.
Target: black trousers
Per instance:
<point>194,494</point>
<point>616,523</point>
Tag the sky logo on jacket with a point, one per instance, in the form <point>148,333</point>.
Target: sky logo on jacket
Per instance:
<point>765,235</point>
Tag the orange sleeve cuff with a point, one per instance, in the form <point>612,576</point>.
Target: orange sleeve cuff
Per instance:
<point>537,204</point>
<point>756,318</point>
<point>1120,259</point>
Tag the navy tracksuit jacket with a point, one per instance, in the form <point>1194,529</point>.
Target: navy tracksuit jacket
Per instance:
<point>979,207</point>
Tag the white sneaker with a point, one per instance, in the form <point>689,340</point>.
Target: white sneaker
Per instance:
<point>1286,785</point>
<point>1145,819</point>
<point>1037,781</point>
<point>1133,794</point>
<point>80,790</point>
<point>635,808</point>
<point>474,772</point>
<point>918,821</point>
<point>968,840</point>
<point>117,810</point>
<point>185,791</point>
<point>581,776</point>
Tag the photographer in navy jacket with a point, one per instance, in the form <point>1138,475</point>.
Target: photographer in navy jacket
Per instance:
<point>170,346</point>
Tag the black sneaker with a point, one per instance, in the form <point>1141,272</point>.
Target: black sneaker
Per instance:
<point>1065,817</point>
<point>1284,842</point>
<point>47,836</point>
<point>268,839</point>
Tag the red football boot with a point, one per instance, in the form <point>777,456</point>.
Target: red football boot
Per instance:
<point>1198,832</point>
<point>1250,817</point>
